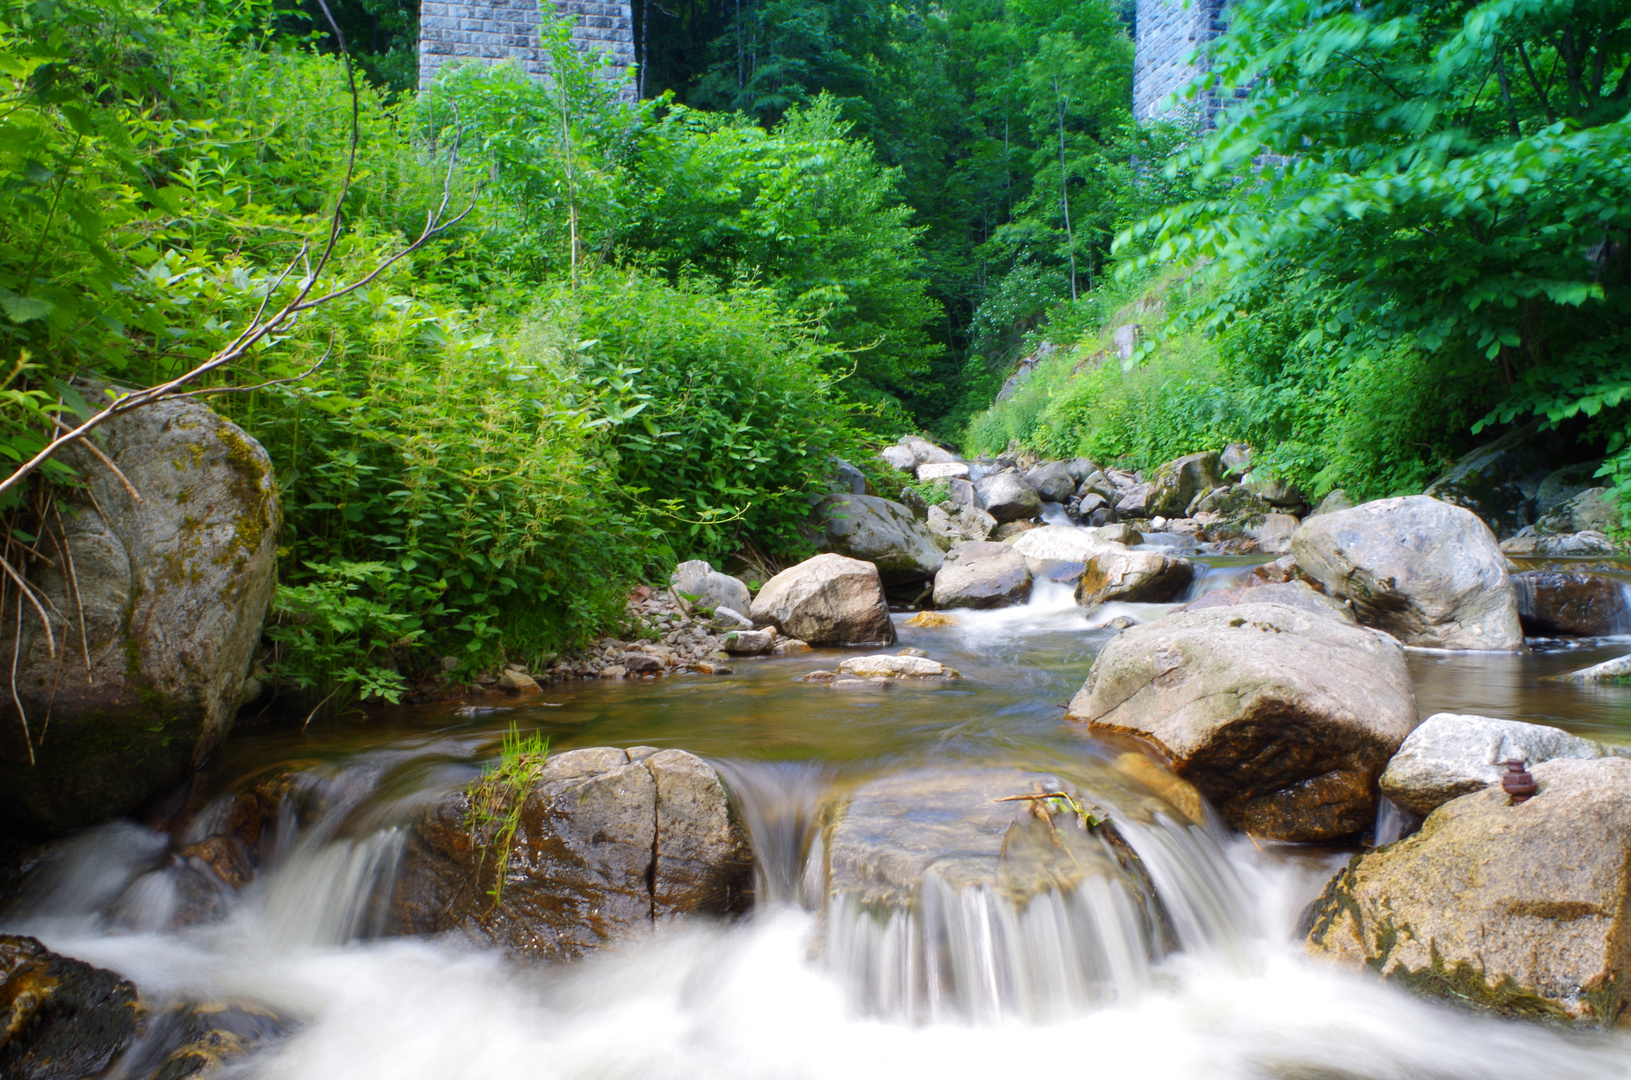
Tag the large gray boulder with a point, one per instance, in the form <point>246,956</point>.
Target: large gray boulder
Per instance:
<point>607,843</point>
<point>1520,910</point>
<point>827,600</point>
<point>899,457</point>
<point>1499,480</point>
<point>1282,717</point>
<point>982,575</point>
<point>950,523</point>
<point>1053,481</point>
<point>1451,755</point>
<point>154,635</point>
<point>882,532</point>
<point>1176,484</point>
<point>712,589</point>
<point>926,452</point>
<point>1551,603</point>
<point>1007,497</point>
<point>1617,670</point>
<point>1427,572</point>
<point>1532,545</point>
<point>1134,501</point>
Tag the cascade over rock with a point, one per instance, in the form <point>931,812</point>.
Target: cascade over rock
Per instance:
<point>881,532</point>
<point>1520,910</point>
<point>607,843</point>
<point>1282,717</point>
<point>827,600</point>
<point>1576,605</point>
<point>174,591</point>
<point>1425,571</point>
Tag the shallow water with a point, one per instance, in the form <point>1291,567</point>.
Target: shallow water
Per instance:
<point>787,992</point>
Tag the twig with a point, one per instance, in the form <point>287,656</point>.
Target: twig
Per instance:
<point>262,386</point>
<point>96,452</point>
<point>320,705</point>
<point>16,652</point>
<point>28,591</point>
<point>79,598</point>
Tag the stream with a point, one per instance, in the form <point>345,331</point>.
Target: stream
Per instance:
<point>1062,988</point>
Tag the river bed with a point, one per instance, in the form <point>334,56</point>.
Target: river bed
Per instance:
<point>761,997</point>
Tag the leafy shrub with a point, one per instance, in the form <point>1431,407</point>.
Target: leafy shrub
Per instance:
<point>720,416</point>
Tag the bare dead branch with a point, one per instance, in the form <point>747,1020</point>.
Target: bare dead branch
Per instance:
<point>73,584</point>
<point>303,376</point>
<point>28,591</point>
<point>96,452</point>
<point>16,652</point>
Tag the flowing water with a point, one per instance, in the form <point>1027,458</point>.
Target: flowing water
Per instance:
<point>1083,980</point>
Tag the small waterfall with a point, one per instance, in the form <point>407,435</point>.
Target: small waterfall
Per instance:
<point>1393,822</point>
<point>780,803</point>
<point>976,954</point>
<point>979,955</point>
<point>1210,578</point>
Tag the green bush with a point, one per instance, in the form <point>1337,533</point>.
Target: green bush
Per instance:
<point>720,418</point>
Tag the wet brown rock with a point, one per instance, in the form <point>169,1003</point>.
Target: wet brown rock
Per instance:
<point>223,856</point>
<point>1573,605</point>
<point>60,1019</point>
<point>827,600</point>
<point>1120,573</point>
<point>1520,910</point>
<point>1283,718</point>
<point>606,843</point>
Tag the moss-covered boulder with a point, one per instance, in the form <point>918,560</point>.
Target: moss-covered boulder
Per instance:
<point>157,599</point>
<point>1521,910</point>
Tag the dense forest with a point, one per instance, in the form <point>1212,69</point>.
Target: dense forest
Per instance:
<point>641,331</point>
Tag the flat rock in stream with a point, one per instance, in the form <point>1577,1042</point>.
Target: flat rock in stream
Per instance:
<point>1520,910</point>
<point>1282,717</point>
<point>895,831</point>
<point>607,843</point>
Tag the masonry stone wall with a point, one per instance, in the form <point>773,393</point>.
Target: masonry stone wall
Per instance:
<point>1168,35</point>
<point>496,30</point>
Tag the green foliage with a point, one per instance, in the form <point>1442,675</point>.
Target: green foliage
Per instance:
<point>806,210</point>
<point>1455,194</point>
<point>464,463</point>
<point>337,633</point>
<point>718,412</point>
<point>496,801</point>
